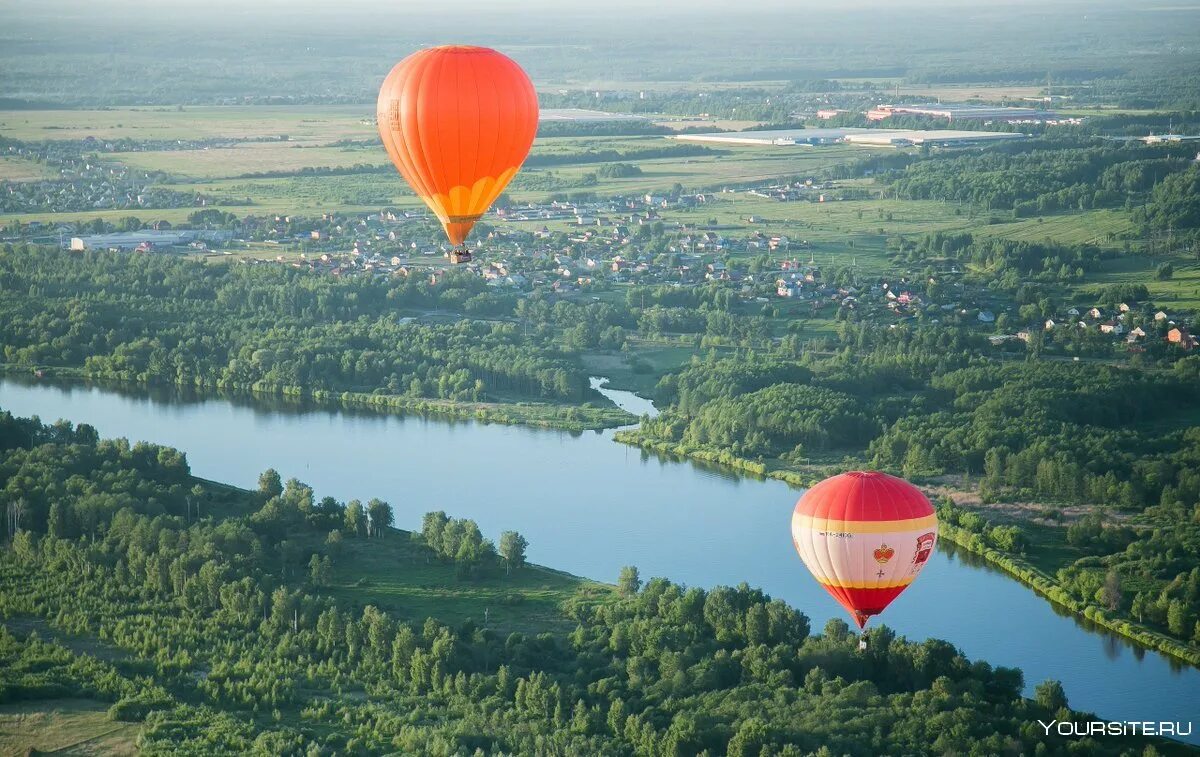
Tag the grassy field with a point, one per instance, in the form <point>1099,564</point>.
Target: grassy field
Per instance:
<point>639,369</point>
<point>16,169</point>
<point>395,574</point>
<point>1087,227</point>
<point>248,157</point>
<point>64,726</point>
<point>303,123</point>
<point>1178,294</point>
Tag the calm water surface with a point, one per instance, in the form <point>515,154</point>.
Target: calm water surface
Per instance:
<point>590,506</point>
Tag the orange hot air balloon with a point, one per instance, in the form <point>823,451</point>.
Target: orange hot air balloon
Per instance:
<point>457,122</point>
<point>865,536</point>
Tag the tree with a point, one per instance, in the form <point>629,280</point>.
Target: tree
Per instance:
<point>1178,618</point>
<point>334,543</point>
<point>194,499</point>
<point>381,516</point>
<point>319,569</point>
<point>512,549</point>
<point>1050,694</point>
<point>356,518</point>
<point>269,483</point>
<point>432,526</point>
<point>1110,593</point>
<point>56,524</point>
<point>629,581</point>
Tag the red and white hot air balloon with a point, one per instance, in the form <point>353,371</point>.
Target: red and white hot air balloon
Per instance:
<point>865,536</point>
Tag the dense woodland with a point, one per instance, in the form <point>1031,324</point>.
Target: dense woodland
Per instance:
<point>162,320</point>
<point>159,319</point>
<point>1048,175</point>
<point>204,628</point>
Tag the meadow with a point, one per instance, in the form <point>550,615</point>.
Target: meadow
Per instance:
<point>16,169</point>
<point>306,123</point>
<point>64,726</point>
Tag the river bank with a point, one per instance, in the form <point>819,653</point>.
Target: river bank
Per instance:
<point>573,418</point>
<point>1013,565</point>
<point>1047,587</point>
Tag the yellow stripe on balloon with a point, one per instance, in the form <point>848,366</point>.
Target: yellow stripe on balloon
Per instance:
<point>827,581</point>
<point>863,526</point>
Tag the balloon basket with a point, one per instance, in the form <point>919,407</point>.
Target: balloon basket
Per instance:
<point>460,256</point>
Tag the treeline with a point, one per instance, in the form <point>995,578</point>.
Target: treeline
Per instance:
<point>218,646</point>
<point>357,168</point>
<point>459,540</point>
<point>543,159</point>
<point>1174,204</point>
<point>1146,571</point>
<point>1008,263</point>
<point>158,319</point>
<point>1042,176</point>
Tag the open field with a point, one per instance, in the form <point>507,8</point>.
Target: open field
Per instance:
<point>742,165</point>
<point>240,159</point>
<point>301,123</point>
<point>1099,227</point>
<point>638,369</point>
<point>1178,294</point>
<point>396,575</point>
<point>247,158</point>
<point>16,169</point>
<point>64,726</point>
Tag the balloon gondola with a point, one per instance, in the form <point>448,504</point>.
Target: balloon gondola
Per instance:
<point>457,122</point>
<point>865,536</point>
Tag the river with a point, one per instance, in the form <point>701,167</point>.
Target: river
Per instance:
<point>590,506</point>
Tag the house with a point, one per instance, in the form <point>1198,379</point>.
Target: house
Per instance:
<point>1050,324</point>
<point>1135,334</point>
<point>1183,338</point>
<point>1073,312</point>
<point>986,316</point>
<point>1123,307</point>
<point>1095,314</point>
<point>1112,327</point>
<point>1160,316</point>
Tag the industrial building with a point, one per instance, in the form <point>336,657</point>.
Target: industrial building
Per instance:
<point>945,137</point>
<point>148,239</point>
<point>802,137</point>
<point>962,113</point>
<point>850,135</point>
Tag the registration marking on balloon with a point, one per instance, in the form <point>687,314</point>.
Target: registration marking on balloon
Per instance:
<point>865,536</point>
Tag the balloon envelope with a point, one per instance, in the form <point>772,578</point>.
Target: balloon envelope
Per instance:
<point>457,122</point>
<point>865,536</point>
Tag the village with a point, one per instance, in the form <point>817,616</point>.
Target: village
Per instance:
<point>580,249</point>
